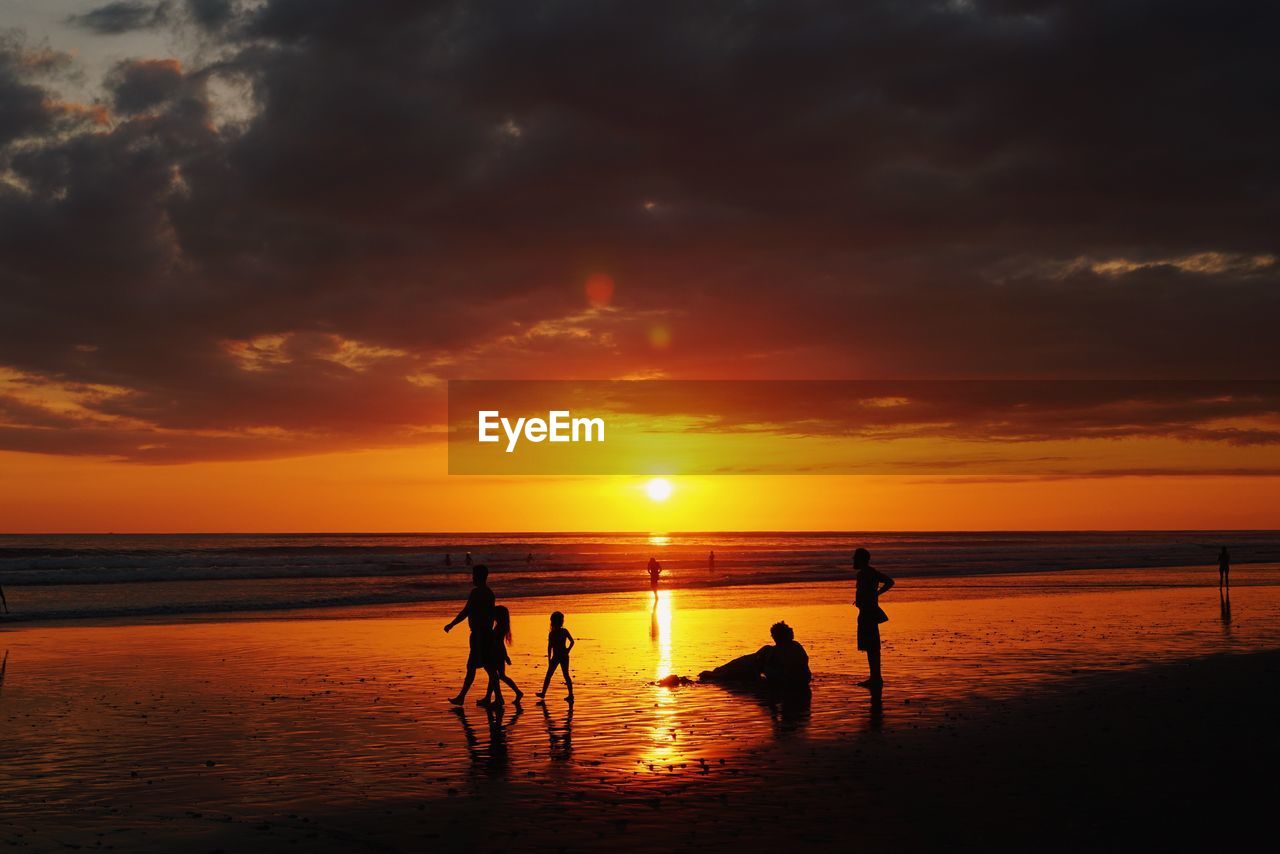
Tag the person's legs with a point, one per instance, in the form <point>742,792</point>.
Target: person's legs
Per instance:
<point>474,662</point>
<point>511,683</point>
<point>873,660</point>
<point>564,668</point>
<point>546,682</point>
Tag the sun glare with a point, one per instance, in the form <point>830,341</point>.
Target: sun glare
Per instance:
<point>658,489</point>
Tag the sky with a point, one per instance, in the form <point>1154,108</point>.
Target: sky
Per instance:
<point>245,245</point>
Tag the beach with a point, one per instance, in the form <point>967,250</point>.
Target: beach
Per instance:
<point>1010,700</point>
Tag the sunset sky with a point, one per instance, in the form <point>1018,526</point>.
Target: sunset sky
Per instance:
<point>244,246</point>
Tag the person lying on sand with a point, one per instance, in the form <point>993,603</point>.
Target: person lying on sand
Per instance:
<point>782,666</point>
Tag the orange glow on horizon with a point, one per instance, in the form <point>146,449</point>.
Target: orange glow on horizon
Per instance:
<point>407,490</point>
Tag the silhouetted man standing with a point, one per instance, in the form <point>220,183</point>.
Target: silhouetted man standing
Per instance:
<point>1224,568</point>
<point>478,612</point>
<point>871,585</point>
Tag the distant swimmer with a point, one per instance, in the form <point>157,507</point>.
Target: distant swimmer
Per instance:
<point>1224,568</point>
<point>655,572</point>
<point>711,561</point>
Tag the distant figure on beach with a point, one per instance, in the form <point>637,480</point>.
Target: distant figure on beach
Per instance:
<point>559,644</point>
<point>1224,568</point>
<point>655,571</point>
<point>782,667</point>
<point>711,561</point>
<point>467,560</point>
<point>497,659</point>
<point>871,585</point>
<point>4,601</point>
<point>448,559</point>
<point>478,612</point>
<point>529,559</point>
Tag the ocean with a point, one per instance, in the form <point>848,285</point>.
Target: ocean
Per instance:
<point>106,576</point>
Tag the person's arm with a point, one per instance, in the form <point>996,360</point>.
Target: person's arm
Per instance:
<point>885,583</point>
<point>548,646</point>
<point>462,615</point>
<point>571,642</point>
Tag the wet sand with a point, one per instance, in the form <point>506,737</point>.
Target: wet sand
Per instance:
<point>1087,710</point>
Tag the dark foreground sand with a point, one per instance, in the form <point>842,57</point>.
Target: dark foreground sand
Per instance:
<point>1171,755</point>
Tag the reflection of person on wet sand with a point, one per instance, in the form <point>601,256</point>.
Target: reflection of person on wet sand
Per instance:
<point>1224,602</point>
<point>782,667</point>
<point>4,665</point>
<point>4,601</point>
<point>654,630</point>
<point>871,585</point>
<point>1224,568</point>
<point>655,571</point>
<point>495,757</point>
<point>560,737</point>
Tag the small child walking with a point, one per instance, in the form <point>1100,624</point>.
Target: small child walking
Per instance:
<point>559,645</point>
<point>497,659</point>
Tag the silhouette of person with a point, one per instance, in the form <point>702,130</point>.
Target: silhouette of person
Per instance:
<point>4,601</point>
<point>871,585</point>
<point>783,666</point>
<point>4,665</point>
<point>655,571</point>
<point>1224,568</point>
<point>448,559</point>
<point>467,559</point>
<point>497,659</point>
<point>528,559</point>
<point>711,561</point>
<point>559,644</point>
<point>478,612</point>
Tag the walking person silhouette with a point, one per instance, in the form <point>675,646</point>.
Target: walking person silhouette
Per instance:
<point>655,571</point>
<point>1224,568</point>
<point>559,644</point>
<point>478,612</point>
<point>497,659</point>
<point>871,585</point>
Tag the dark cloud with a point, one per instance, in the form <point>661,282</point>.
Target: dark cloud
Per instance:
<point>779,189</point>
<point>123,16</point>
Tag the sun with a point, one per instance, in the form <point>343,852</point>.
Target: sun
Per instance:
<point>658,489</point>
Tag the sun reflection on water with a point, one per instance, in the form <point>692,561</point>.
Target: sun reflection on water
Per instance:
<point>662,732</point>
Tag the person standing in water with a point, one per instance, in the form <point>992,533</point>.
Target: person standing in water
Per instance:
<point>1224,568</point>
<point>871,585</point>
<point>478,612</point>
<point>655,571</point>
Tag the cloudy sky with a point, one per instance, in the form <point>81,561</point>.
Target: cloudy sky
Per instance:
<point>262,235</point>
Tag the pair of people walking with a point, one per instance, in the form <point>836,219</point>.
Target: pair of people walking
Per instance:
<point>490,627</point>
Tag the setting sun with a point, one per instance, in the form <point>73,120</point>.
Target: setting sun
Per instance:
<point>658,489</point>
